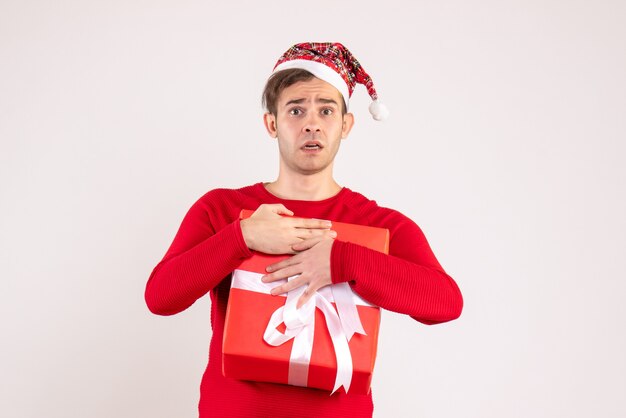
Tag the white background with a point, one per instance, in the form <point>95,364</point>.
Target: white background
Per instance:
<point>505,144</point>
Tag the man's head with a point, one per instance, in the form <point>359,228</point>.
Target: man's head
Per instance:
<point>308,119</point>
<point>307,99</point>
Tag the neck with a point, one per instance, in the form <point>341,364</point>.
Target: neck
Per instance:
<point>318,186</point>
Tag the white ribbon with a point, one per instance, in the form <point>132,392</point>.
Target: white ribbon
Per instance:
<point>342,324</point>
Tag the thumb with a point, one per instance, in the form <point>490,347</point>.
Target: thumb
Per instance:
<point>281,210</point>
<point>306,244</point>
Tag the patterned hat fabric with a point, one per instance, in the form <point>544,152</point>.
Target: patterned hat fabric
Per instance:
<point>335,64</point>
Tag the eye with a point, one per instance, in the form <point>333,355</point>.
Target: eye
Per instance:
<point>327,111</point>
<point>295,111</point>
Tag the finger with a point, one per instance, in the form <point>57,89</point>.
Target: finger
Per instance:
<point>282,264</point>
<point>290,285</point>
<point>306,233</point>
<point>313,223</point>
<point>282,274</point>
<point>287,250</point>
<point>312,287</point>
<point>306,295</point>
<point>311,242</point>
<point>306,244</point>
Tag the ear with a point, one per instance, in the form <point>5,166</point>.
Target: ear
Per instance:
<point>270,124</point>
<point>348,123</point>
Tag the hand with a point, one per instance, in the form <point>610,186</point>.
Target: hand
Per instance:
<point>268,231</point>
<point>312,263</point>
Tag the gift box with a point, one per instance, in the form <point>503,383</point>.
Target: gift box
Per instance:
<point>328,343</point>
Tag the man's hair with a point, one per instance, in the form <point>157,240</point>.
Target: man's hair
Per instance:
<point>279,81</point>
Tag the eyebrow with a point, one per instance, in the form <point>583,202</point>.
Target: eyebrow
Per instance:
<point>320,100</point>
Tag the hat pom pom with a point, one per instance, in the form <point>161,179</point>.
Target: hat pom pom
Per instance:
<point>378,110</point>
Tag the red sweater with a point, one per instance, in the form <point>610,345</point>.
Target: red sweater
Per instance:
<point>209,246</point>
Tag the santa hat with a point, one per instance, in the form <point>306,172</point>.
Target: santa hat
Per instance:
<point>333,63</point>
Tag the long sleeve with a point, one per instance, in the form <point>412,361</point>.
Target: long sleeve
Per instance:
<point>199,258</point>
<point>409,280</point>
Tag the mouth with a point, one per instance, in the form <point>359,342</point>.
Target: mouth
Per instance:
<point>312,145</point>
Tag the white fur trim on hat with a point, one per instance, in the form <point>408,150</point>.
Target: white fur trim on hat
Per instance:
<point>321,71</point>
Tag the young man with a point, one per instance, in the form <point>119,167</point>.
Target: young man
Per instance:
<point>307,101</point>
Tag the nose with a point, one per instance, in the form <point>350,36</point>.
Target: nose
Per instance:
<point>312,123</point>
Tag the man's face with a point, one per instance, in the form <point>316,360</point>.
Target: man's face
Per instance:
<point>309,126</point>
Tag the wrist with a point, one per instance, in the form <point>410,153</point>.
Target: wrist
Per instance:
<point>246,233</point>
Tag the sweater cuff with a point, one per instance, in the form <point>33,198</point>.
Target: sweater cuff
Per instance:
<point>337,261</point>
<point>245,251</point>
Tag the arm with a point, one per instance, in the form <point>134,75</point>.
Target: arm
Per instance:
<point>409,280</point>
<point>197,260</point>
<point>201,257</point>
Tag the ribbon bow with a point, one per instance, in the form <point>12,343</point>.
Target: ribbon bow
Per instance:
<point>342,324</point>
